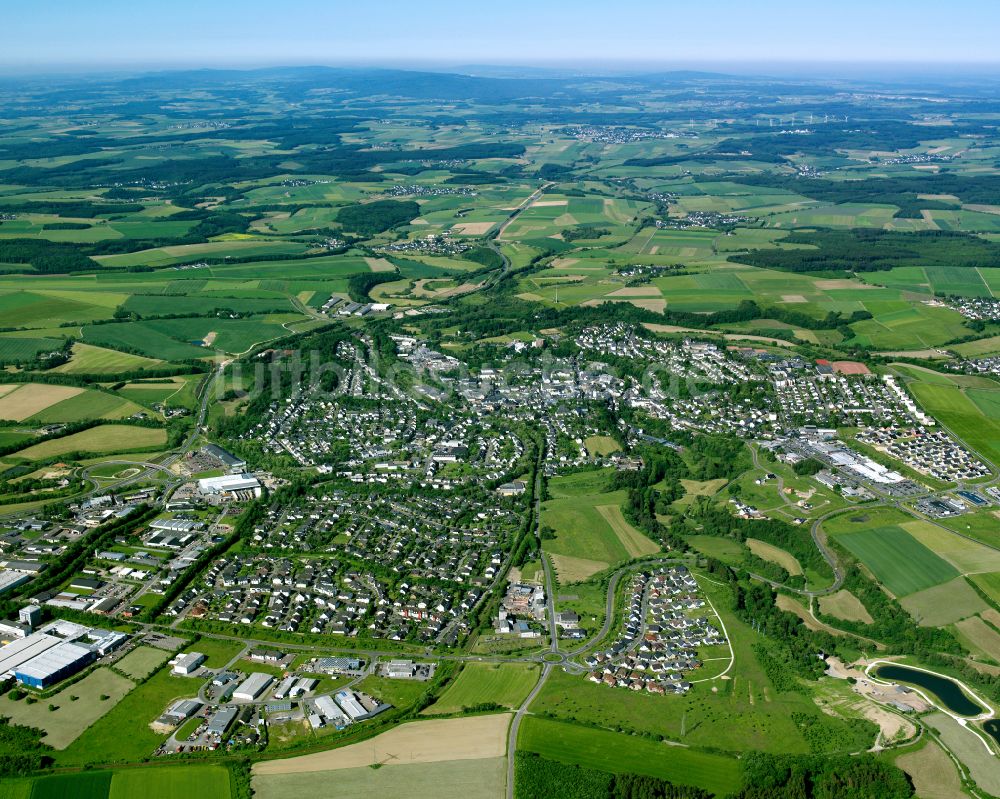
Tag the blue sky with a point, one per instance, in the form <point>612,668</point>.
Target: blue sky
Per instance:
<point>45,34</point>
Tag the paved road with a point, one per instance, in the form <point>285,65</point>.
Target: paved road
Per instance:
<point>515,725</point>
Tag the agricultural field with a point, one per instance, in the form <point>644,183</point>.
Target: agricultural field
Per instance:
<point>107,438</point>
<point>844,605</point>
<point>474,738</point>
<point>122,732</point>
<point>897,559</point>
<point>462,779</point>
<point>211,782</point>
<point>505,684</point>
<point>86,359</point>
<point>610,751</point>
<point>589,527</point>
<point>972,414</point>
<point>170,244</point>
<point>766,551</point>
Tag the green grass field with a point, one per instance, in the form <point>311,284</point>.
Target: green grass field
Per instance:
<point>142,661</point>
<point>610,751</point>
<point>86,785</point>
<point>217,652</point>
<point>104,438</point>
<point>210,782</point>
<point>72,717</point>
<point>86,406</point>
<point>897,559</point>
<point>123,733</point>
<point>504,684</point>
<point>588,524</point>
<point>944,604</point>
<point>87,359</point>
<point>973,415</point>
<point>989,583</point>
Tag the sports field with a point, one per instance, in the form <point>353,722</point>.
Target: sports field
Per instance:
<point>504,684</point>
<point>610,751</point>
<point>897,559</point>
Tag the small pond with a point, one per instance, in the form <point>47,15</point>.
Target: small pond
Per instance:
<point>943,688</point>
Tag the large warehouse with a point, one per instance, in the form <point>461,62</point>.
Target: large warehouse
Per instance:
<point>41,660</point>
<point>253,686</point>
<point>61,661</point>
<point>57,651</point>
<point>237,486</point>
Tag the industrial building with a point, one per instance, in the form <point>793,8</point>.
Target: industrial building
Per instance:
<point>253,686</point>
<point>12,631</point>
<point>334,665</point>
<point>233,463</point>
<point>284,688</point>
<point>330,713</point>
<point>231,486</point>
<point>10,579</point>
<point>30,615</point>
<point>351,706</point>
<point>181,710</point>
<point>185,665</point>
<point>303,686</point>
<point>61,661</point>
<point>221,721</point>
<point>57,651</point>
<point>176,525</point>
<point>400,669</point>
